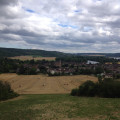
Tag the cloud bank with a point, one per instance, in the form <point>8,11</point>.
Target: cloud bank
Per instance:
<point>72,26</point>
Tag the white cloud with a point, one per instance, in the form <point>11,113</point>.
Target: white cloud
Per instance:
<point>62,25</point>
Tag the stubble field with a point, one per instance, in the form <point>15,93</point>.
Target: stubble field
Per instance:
<point>23,58</point>
<point>42,84</point>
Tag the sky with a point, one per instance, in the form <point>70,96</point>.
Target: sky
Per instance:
<point>70,26</point>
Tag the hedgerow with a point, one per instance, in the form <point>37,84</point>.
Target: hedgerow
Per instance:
<point>106,88</point>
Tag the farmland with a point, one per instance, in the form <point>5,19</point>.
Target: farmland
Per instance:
<point>42,84</point>
<point>23,58</point>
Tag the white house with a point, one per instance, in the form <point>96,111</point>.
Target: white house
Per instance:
<point>92,62</point>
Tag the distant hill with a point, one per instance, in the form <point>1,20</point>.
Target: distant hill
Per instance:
<point>11,52</point>
<point>99,54</point>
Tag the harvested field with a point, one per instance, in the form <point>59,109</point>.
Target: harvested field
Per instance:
<point>41,84</point>
<point>23,58</point>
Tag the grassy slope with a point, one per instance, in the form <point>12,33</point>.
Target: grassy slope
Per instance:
<point>60,107</point>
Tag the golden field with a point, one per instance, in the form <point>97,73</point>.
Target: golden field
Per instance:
<point>41,84</point>
<point>23,58</point>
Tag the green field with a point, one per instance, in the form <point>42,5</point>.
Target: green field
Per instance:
<point>60,107</point>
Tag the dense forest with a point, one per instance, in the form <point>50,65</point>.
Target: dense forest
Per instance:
<point>11,52</point>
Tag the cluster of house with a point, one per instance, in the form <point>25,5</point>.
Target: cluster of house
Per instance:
<point>58,67</point>
<point>109,68</point>
<point>113,69</point>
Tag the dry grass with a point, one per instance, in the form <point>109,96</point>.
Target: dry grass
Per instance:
<point>41,84</point>
<point>23,58</point>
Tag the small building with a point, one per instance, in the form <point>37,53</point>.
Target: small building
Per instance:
<point>92,62</point>
<point>52,72</point>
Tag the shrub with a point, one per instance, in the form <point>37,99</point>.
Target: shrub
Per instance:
<point>74,92</point>
<point>87,89</point>
<point>109,89</point>
<point>32,71</point>
<point>106,88</point>
<point>6,92</point>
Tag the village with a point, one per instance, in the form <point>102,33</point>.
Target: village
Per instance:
<point>58,68</point>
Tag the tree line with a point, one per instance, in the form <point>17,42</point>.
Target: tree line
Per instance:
<point>81,59</point>
<point>106,87</point>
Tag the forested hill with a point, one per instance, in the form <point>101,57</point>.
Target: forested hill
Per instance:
<point>10,52</point>
<point>99,54</point>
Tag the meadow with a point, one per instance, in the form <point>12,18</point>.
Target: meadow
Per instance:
<point>60,107</point>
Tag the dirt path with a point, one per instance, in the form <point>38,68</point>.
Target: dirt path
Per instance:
<point>40,84</point>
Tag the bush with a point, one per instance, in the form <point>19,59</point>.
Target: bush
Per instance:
<point>32,71</point>
<point>106,88</point>
<point>87,89</point>
<point>74,92</point>
<point>109,89</point>
<point>6,92</point>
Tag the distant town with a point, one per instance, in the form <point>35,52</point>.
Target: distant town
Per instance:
<point>104,66</point>
<point>56,68</point>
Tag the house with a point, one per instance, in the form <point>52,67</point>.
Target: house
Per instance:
<point>92,62</point>
<point>109,75</point>
<point>52,72</point>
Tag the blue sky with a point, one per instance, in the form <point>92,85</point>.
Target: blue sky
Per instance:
<point>29,10</point>
<point>70,26</point>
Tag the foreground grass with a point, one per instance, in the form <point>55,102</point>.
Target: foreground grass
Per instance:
<point>60,107</point>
